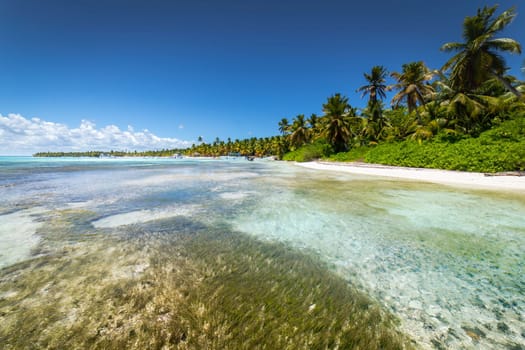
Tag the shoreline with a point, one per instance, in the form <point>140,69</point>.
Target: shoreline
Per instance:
<point>463,179</point>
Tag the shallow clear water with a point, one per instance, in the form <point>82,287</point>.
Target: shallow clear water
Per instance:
<point>449,263</point>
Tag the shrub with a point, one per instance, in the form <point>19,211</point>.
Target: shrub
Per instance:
<point>306,153</point>
<point>355,154</point>
<point>472,154</point>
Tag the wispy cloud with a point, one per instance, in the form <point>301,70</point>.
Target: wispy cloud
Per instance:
<point>21,136</point>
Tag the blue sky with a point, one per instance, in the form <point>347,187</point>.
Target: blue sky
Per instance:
<point>181,69</point>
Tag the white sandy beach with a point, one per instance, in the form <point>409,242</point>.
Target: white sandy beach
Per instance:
<point>445,177</point>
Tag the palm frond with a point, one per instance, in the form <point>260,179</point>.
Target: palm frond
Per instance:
<point>503,20</point>
<point>452,47</point>
<point>505,44</point>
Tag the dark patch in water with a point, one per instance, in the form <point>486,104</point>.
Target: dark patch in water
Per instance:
<point>177,283</point>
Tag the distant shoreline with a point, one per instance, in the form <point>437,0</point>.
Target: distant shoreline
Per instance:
<point>444,177</point>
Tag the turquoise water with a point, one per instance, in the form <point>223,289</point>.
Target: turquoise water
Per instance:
<point>448,262</point>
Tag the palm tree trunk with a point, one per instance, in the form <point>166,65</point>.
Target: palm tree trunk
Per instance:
<point>507,85</point>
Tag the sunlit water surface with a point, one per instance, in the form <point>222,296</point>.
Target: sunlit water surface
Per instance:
<point>448,262</point>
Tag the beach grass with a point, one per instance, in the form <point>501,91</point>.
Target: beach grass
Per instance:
<point>176,284</point>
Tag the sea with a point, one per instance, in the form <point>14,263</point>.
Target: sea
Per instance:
<point>447,263</point>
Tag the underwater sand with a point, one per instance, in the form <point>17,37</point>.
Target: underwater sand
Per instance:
<point>17,235</point>
<point>145,215</point>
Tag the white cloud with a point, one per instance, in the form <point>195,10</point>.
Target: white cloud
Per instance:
<point>21,136</point>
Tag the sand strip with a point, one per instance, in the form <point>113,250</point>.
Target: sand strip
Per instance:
<point>445,177</point>
<point>140,216</point>
<point>17,235</point>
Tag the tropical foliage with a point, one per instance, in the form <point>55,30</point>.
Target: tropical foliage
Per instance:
<point>478,58</point>
<point>375,86</point>
<point>259,147</point>
<point>438,118</point>
<point>319,149</point>
<point>500,149</point>
<point>413,86</point>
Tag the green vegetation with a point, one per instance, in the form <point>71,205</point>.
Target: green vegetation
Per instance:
<point>500,149</point>
<point>259,147</point>
<point>477,60</point>
<point>312,151</point>
<point>468,115</point>
<point>177,284</point>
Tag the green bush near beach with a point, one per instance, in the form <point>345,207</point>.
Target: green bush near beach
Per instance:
<point>499,149</point>
<point>309,152</point>
<point>467,155</point>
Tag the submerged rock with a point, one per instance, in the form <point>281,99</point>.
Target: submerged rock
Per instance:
<point>474,332</point>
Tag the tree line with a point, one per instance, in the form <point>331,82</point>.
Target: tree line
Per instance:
<point>102,154</point>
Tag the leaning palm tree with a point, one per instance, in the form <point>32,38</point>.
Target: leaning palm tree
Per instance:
<point>413,86</point>
<point>478,58</point>
<point>375,86</point>
<point>300,132</point>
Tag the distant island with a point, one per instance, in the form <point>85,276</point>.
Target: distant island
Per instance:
<point>469,115</point>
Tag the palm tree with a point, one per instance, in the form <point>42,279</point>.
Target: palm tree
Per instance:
<point>413,86</point>
<point>478,59</point>
<point>375,121</point>
<point>376,87</point>
<point>280,146</point>
<point>470,112</point>
<point>300,132</point>
<point>336,122</point>
<point>284,126</point>
<point>314,122</point>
